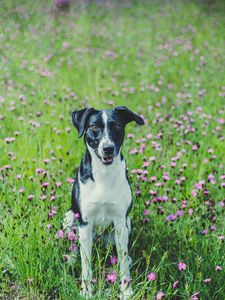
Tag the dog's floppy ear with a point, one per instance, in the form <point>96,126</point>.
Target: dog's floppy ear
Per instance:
<point>80,118</point>
<point>129,116</point>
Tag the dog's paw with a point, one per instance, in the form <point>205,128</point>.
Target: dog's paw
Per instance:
<point>68,220</point>
<point>126,293</point>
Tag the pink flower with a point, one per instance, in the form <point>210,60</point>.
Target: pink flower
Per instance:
<point>190,211</point>
<point>145,164</point>
<point>204,232</point>
<point>21,190</point>
<point>218,268</point>
<point>152,158</point>
<point>70,180</point>
<point>111,277</point>
<point>151,276</point>
<point>153,178</point>
<point>194,193</point>
<point>52,197</point>
<point>159,296</point>
<point>195,296</point>
<point>59,234</point>
<point>207,280</point>
<point>72,248</point>
<point>133,151</point>
<point>146,212</point>
<point>113,260</point>
<point>43,197</point>
<point>175,284</point>
<point>30,197</point>
<point>45,184</point>
<point>194,147</point>
<point>71,236</point>
<point>182,266</point>
<point>47,160</point>
<point>58,183</point>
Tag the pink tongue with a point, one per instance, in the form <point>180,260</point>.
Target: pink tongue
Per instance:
<point>108,158</point>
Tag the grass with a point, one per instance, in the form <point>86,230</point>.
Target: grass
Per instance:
<point>162,59</point>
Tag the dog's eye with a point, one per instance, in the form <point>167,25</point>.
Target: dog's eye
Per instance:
<point>94,128</point>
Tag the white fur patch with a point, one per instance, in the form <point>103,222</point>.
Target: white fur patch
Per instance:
<point>108,196</point>
<point>105,140</point>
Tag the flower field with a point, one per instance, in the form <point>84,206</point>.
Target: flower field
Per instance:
<point>165,61</point>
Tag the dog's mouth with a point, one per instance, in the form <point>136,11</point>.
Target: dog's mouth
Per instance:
<point>105,160</point>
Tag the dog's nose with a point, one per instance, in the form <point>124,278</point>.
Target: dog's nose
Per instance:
<point>108,149</point>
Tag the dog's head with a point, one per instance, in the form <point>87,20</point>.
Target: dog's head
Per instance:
<point>104,129</point>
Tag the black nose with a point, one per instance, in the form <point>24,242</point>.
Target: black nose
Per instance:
<point>108,149</point>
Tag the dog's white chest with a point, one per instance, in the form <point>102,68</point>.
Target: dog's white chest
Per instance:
<point>107,197</point>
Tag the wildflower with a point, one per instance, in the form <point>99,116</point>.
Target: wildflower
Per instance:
<point>59,234</point>
<point>72,248</point>
<point>218,268</point>
<point>45,184</point>
<point>221,237</point>
<point>52,197</point>
<point>207,280</point>
<point>145,164</point>
<point>194,147</point>
<point>175,284</point>
<point>30,197</point>
<point>21,190</point>
<point>111,277</point>
<point>151,276</point>
<point>146,212</point>
<point>204,232</point>
<point>43,197</point>
<point>190,211</point>
<point>182,266</point>
<point>195,296</point>
<point>138,193</point>
<point>147,203</point>
<point>70,180</point>
<point>153,178</point>
<point>113,260</point>
<point>46,161</point>
<point>9,140</point>
<point>171,217</point>
<point>52,212</point>
<point>152,158</point>
<point>179,213</point>
<point>71,236</point>
<point>194,193</point>
<point>212,228</point>
<point>133,151</point>
<point>159,296</point>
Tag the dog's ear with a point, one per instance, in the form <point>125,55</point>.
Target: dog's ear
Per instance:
<point>129,116</point>
<point>80,118</point>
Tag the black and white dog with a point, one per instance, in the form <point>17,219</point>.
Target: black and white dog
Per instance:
<point>101,193</point>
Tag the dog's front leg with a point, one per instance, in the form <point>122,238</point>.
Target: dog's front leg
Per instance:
<point>85,238</point>
<point>122,239</point>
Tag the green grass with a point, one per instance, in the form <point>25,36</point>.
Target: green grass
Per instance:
<point>157,58</point>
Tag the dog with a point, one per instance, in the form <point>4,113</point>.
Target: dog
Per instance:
<point>101,193</point>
